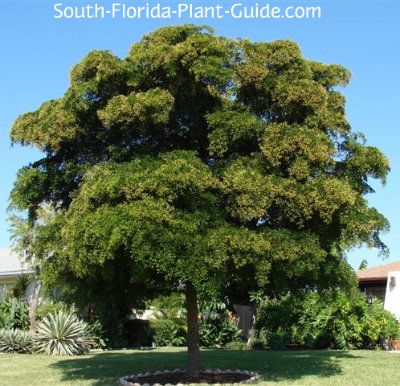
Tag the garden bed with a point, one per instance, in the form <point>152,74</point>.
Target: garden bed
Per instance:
<point>178,376</point>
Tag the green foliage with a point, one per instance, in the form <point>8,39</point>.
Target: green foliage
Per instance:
<point>137,332</point>
<point>62,333</point>
<point>47,306</point>
<point>217,326</point>
<point>378,324</point>
<point>151,108</point>
<point>202,160</point>
<point>96,332</point>
<point>115,329</point>
<point>259,339</point>
<point>169,326</point>
<point>14,314</point>
<point>20,287</point>
<point>169,307</point>
<point>237,345</point>
<point>15,341</point>
<point>323,320</point>
<point>219,332</point>
<point>168,332</point>
<point>363,264</point>
<point>198,153</point>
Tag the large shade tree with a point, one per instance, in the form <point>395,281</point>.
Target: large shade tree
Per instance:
<point>198,162</point>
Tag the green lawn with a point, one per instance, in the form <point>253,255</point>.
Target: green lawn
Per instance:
<point>276,367</point>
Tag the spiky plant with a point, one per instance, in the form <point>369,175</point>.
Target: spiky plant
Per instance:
<point>62,333</point>
<point>14,340</point>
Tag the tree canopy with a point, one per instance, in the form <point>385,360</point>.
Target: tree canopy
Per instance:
<point>203,161</point>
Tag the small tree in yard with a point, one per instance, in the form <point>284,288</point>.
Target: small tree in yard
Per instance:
<point>201,163</point>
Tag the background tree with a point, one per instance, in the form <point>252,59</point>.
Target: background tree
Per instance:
<point>23,235</point>
<point>200,163</point>
<point>363,264</point>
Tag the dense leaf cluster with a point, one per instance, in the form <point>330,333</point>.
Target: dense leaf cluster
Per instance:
<point>198,158</point>
<point>324,319</point>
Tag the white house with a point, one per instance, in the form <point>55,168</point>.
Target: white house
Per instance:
<point>10,268</point>
<point>382,282</point>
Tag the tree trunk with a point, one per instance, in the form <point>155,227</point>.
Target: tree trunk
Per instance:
<point>193,352</point>
<point>33,303</point>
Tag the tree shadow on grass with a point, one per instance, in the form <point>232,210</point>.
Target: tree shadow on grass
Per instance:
<point>106,368</point>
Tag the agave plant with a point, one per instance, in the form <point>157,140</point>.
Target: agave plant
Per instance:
<point>62,333</point>
<point>14,340</point>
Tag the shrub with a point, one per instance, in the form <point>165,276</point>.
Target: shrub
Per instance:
<point>115,327</point>
<point>14,314</point>
<point>258,339</point>
<point>280,339</point>
<point>138,332</point>
<point>119,329</point>
<point>218,332</point>
<point>15,341</point>
<point>237,345</point>
<point>169,327</point>
<point>168,307</point>
<point>62,333</point>
<point>21,286</point>
<point>97,334</point>
<point>168,332</point>
<point>332,319</point>
<point>378,325</point>
<point>217,326</point>
<point>47,307</point>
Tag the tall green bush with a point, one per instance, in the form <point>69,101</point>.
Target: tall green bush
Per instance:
<point>218,325</point>
<point>332,319</point>
<point>20,286</point>
<point>14,314</point>
<point>169,326</point>
<point>168,332</point>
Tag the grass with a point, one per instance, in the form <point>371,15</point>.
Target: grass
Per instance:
<point>276,367</point>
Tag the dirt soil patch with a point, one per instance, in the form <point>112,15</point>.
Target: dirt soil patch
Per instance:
<point>174,378</point>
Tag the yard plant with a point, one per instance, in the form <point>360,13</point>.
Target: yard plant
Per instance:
<point>323,319</point>
<point>13,313</point>
<point>62,333</point>
<point>15,340</point>
<point>198,163</point>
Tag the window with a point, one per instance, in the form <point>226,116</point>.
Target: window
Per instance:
<point>375,293</point>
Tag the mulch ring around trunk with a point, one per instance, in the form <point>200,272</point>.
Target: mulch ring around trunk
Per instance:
<point>181,377</point>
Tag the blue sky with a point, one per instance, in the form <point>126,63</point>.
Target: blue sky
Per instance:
<point>37,53</point>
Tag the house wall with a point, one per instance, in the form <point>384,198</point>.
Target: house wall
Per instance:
<point>6,283</point>
<point>392,298</point>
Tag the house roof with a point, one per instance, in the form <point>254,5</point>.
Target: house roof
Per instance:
<point>10,264</point>
<point>378,273</point>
